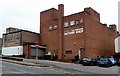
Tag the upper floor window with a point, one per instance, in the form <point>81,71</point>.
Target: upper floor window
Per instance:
<point>66,24</point>
<point>17,41</point>
<point>77,22</point>
<point>55,27</point>
<point>81,21</point>
<point>50,28</point>
<point>7,31</point>
<point>8,40</point>
<point>72,23</point>
<point>13,40</point>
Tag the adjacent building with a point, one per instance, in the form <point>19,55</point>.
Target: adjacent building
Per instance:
<point>117,45</point>
<point>79,34</point>
<point>0,46</point>
<point>15,37</point>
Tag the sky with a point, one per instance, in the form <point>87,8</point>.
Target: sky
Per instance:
<point>25,14</point>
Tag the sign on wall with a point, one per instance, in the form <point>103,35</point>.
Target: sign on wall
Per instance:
<point>74,31</point>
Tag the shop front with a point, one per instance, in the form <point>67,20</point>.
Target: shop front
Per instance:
<point>31,51</point>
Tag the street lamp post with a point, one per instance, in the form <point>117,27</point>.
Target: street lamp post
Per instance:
<point>37,54</point>
<point>37,46</point>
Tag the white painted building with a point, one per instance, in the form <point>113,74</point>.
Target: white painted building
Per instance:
<point>117,44</point>
<point>13,50</point>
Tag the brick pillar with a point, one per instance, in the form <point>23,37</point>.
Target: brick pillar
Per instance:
<point>60,31</point>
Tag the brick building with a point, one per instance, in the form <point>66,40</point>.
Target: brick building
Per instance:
<point>0,45</point>
<point>77,34</point>
<point>18,37</point>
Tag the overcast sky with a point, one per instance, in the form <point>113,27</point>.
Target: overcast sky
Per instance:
<point>25,14</point>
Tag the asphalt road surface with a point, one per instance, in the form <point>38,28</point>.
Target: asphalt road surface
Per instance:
<point>79,67</point>
<point>10,68</point>
<point>58,68</point>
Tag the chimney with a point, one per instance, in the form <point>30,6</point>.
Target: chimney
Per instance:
<point>60,31</point>
<point>113,27</point>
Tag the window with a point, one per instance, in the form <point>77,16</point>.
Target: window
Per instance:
<point>13,40</point>
<point>66,24</point>
<point>7,31</point>
<point>8,40</point>
<point>77,22</point>
<point>72,23</point>
<point>81,21</point>
<point>50,28</point>
<point>55,27</point>
<point>110,27</point>
<point>17,41</point>
<point>5,38</point>
<point>69,52</point>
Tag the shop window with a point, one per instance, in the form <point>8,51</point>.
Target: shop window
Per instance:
<point>50,28</point>
<point>77,22</point>
<point>66,24</point>
<point>69,52</point>
<point>55,27</point>
<point>72,23</point>
<point>81,21</point>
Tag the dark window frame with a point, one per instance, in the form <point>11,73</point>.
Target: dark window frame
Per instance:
<point>50,28</point>
<point>68,51</point>
<point>55,27</point>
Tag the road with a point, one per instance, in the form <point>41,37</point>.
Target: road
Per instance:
<point>58,68</point>
<point>79,67</point>
<point>10,68</point>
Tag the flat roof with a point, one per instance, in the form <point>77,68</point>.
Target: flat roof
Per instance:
<point>21,31</point>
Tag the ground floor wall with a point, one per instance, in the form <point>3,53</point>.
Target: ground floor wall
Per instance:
<point>87,52</point>
<point>71,53</point>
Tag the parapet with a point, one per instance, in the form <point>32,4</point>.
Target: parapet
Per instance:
<point>113,27</point>
<point>93,13</point>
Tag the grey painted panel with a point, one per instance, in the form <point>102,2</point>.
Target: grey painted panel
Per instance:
<point>34,52</point>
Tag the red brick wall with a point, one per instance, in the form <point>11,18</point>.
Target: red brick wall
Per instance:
<point>49,38</point>
<point>22,37</point>
<point>74,41</point>
<point>60,32</point>
<point>29,37</point>
<point>10,39</point>
<point>26,51</point>
<point>99,38</point>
